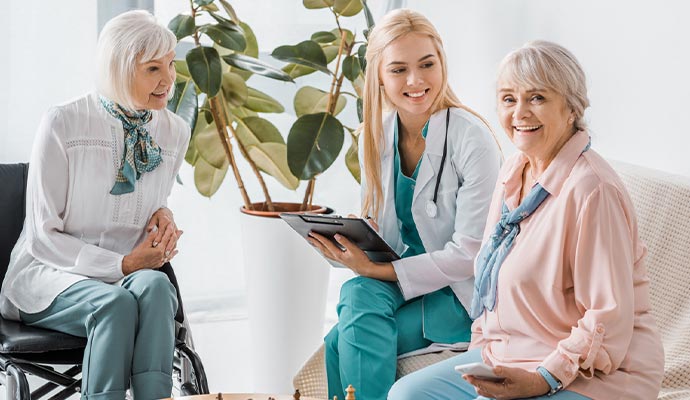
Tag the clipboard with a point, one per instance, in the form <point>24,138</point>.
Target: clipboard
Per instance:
<point>357,230</point>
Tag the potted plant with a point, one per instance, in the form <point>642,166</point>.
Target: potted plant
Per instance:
<point>287,281</point>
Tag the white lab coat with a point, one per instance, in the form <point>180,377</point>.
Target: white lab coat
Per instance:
<point>453,237</point>
<point>74,228</point>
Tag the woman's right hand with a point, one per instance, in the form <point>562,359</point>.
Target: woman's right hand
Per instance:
<point>146,256</point>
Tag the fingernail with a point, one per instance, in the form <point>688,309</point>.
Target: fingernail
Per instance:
<point>338,236</point>
<point>167,253</point>
<point>155,244</point>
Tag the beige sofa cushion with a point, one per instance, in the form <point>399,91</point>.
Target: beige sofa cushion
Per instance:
<point>662,203</point>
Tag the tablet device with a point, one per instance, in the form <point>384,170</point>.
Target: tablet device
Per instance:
<point>479,370</point>
<point>357,230</point>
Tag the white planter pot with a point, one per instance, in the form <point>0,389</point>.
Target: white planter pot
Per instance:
<point>287,284</point>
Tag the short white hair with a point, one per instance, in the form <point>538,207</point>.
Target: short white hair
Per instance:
<point>129,38</point>
<point>542,64</point>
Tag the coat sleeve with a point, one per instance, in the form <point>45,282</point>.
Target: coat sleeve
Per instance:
<point>603,287</point>
<point>477,166</point>
<point>46,207</point>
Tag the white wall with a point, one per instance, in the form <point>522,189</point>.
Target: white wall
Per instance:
<point>50,47</point>
<point>634,52</point>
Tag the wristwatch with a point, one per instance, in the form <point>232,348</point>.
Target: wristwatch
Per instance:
<point>555,384</point>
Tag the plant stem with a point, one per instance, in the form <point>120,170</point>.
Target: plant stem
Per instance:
<point>332,100</point>
<point>308,195</point>
<point>218,117</point>
<point>252,164</point>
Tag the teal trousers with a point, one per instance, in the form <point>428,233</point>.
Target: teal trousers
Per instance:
<point>375,324</point>
<point>440,381</point>
<point>129,330</point>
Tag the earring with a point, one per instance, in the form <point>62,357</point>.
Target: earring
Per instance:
<point>571,120</point>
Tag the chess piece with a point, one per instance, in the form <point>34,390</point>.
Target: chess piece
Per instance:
<point>350,393</point>
<point>296,396</point>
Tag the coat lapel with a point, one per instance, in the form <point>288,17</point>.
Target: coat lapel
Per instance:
<point>431,159</point>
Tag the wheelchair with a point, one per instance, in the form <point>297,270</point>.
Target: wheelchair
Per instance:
<point>27,350</point>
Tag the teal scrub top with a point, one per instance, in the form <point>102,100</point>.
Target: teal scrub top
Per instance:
<point>404,190</point>
<point>445,320</point>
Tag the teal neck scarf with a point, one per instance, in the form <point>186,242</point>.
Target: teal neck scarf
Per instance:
<point>498,246</point>
<point>141,153</point>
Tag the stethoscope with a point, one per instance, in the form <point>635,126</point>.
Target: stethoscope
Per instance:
<point>431,207</point>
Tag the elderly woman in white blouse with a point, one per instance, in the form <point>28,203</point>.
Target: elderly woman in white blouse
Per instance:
<point>97,227</point>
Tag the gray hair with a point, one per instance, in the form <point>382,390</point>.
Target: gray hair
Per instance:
<point>130,38</point>
<point>542,64</point>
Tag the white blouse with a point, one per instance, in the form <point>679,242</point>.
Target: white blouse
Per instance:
<point>74,228</point>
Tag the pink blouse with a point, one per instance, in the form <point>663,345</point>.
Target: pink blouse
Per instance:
<point>573,293</point>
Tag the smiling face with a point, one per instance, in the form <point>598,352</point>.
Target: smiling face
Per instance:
<point>152,83</point>
<point>537,120</point>
<point>411,74</point>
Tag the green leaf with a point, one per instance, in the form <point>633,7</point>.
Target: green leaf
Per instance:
<point>191,156</point>
<point>310,100</point>
<point>358,85</point>
<point>231,11</point>
<point>226,23</point>
<point>271,158</point>
<point>182,71</point>
<point>252,49</point>
<point>210,7</point>
<point>207,178</point>
<point>225,37</point>
<point>349,36</point>
<point>347,8</point>
<point>315,4</point>
<point>313,144</point>
<point>352,159</point>
<point>234,89</point>
<point>369,17</point>
<point>185,102</point>
<point>331,52</point>
<point>307,53</point>
<point>252,131</point>
<point>295,71</point>
<point>242,112</point>
<point>203,2</point>
<point>362,54</point>
<point>256,66</point>
<point>208,144</point>
<point>205,69</point>
<point>261,102</point>
<point>323,37</point>
<point>360,110</point>
<point>182,26</point>
<point>351,67</point>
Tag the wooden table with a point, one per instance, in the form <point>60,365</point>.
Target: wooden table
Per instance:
<point>243,396</point>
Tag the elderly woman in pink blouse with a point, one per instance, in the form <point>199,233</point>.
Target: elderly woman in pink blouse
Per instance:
<point>561,302</point>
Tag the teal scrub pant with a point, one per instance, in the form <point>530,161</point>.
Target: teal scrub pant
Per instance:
<point>440,381</point>
<point>375,324</point>
<point>129,330</point>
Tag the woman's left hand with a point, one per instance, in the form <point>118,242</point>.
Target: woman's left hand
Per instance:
<point>352,257</point>
<point>518,383</point>
<point>164,221</point>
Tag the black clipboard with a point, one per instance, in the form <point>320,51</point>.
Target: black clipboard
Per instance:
<point>357,230</point>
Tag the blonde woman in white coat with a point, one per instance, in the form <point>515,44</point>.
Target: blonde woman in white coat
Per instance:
<point>429,167</point>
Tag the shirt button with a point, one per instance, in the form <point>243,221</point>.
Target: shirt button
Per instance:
<point>600,330</point>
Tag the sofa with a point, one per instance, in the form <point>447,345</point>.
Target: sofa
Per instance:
<point>662,203</point>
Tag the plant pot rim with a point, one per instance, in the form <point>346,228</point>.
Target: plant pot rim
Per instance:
<point>283,207</point>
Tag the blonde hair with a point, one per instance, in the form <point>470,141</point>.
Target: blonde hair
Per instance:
<point>392,26</point>
<point>542,64</point>
<point>130,38</point>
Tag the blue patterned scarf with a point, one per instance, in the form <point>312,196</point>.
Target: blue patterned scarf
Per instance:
<point>141,153</point>
<point>499,245</point>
